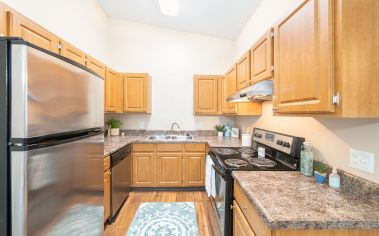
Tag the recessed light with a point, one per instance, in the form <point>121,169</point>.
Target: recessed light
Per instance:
<point>169,7</point>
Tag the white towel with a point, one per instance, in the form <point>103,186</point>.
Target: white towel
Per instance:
<point>213,182</point>
<point>209,173</point>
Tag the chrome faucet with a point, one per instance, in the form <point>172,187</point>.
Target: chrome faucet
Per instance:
<point>172,127</point>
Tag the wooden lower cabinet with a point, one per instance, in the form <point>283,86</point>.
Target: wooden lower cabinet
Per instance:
<point>169,169</point>
<point>168,165</point>
<point>107,194</point>
<point>241,226</point>
<point>245,214</point>
<point>143,169</point>
<point>193,169</point>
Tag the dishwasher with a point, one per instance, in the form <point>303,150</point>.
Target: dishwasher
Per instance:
<point>121,176</point>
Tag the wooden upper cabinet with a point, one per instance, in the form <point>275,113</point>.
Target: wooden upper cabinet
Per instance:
<point>169,169</point>
<point>357,57</point>
<point>111,82</point>
<point>20,26</point>
<point>71,52</point>
<point>137,93</point>
<point>96,66</point>
<point>262,58</point>
<point>230,87</point>
<point>304,59</point>
<point>120,93</point>
<point>206,94</point>
<point>3,19</point>
<point>243,71</point>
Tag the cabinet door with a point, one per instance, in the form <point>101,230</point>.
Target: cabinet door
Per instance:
<point>143,170</point>
<point>119,94</point>
<point>169,169</point>
<point>243,71</point>
<point>110,91</point>
<point>136,93</point>
<point>194,169</point>
<point>262,58</point>
<point>206,94</point>
<point>241,226</point>
<point>96,66</point>
<point>71,52</point>
<point>231,88</point>
<point>20,26</point>
<point>304,59</point>
<point>3,19</point>
<point>107,193</point>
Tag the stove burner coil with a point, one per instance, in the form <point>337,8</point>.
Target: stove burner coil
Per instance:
<point>225,151</point>
<point>235,162</point>
<point>262,162</point>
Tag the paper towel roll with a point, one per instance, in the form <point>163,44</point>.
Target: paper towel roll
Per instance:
<point>246,140</point>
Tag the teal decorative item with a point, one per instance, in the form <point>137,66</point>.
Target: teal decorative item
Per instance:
<point>320,178</point>
<point>306,159</point>
<point>164,218</point>
<point>228,131</point>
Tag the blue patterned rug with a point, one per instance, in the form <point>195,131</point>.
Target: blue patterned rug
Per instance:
<point>164,219</point>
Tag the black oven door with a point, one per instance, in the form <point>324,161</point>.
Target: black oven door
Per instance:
<point>221,203</point>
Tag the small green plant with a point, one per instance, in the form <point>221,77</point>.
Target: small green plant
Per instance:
<point>320,167</point>
<point>113,123</point>
<point>219,128</point>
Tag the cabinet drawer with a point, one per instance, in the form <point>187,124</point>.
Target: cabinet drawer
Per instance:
<point>252,216</point>
<point>146,147</point>
<point>169,147</point>
<point>107,163</point>
<point>195,147</point>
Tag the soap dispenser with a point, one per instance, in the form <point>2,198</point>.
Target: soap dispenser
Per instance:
<point>334,179</point>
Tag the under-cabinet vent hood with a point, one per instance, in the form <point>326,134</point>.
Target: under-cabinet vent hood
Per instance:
<point>261,91</point>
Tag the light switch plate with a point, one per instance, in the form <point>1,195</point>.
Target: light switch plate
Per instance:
<point>141,125</point>
<point>362,160</point>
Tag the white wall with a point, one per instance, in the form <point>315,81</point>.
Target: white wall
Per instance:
<point>82,23</point>
<point>171,58</point>
<point>331,138</point>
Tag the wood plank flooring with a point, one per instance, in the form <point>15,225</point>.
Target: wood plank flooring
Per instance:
<point>205,219</point>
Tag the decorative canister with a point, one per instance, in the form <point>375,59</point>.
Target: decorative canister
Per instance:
<point>306,159</point>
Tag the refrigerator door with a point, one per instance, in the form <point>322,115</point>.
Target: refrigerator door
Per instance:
<point>59,190</point>
<point>51,94</point>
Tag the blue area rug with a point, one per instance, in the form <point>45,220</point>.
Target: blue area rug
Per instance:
<point>164,219</point>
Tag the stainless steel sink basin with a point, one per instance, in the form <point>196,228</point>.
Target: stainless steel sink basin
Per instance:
<point>170,137</point>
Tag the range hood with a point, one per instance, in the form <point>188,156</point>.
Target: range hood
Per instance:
<point>261,91</point>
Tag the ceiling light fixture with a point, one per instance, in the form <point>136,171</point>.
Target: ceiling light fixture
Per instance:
<point>169,7</point>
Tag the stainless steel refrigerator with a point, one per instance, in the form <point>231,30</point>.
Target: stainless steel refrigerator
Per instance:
<point>51,143</point>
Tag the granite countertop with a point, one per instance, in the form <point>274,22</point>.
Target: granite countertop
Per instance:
<point>289,200</point>
<point>114,143</point>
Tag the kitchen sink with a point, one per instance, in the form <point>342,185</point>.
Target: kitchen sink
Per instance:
<point>170,137</point>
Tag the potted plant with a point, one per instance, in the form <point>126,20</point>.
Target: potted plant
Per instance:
<point>220,130</point>
<point>115,126</point>
<point>320,172</point>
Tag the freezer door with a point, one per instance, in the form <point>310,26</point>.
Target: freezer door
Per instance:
<point>52,95</point>
<point>59,190</point>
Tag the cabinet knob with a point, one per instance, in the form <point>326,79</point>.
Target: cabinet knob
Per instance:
<point>274,108</point>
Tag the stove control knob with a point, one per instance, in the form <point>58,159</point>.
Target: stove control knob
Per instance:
<point>287,145</point>
<point>279,142</point>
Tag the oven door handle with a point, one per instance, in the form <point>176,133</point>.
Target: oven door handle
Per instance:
<point>219,172</point>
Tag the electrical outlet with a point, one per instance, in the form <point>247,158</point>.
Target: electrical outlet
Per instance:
<point>362,160</point>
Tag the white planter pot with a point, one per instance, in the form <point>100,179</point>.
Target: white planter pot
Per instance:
<point>220,134</point>
<point>115,131</point>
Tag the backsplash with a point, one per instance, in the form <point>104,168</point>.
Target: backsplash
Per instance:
<point>356,185</point>
<point>130,132</point>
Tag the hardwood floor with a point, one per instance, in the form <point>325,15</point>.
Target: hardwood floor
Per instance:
<point>206,221</point>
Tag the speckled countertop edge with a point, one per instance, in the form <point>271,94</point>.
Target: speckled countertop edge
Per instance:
<point>115,143</point>
<point>281,224</point>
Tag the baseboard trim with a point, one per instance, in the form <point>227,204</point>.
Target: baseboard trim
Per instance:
<point>168,189</point>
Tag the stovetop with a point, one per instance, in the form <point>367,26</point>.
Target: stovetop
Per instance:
<point>228,159</point>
